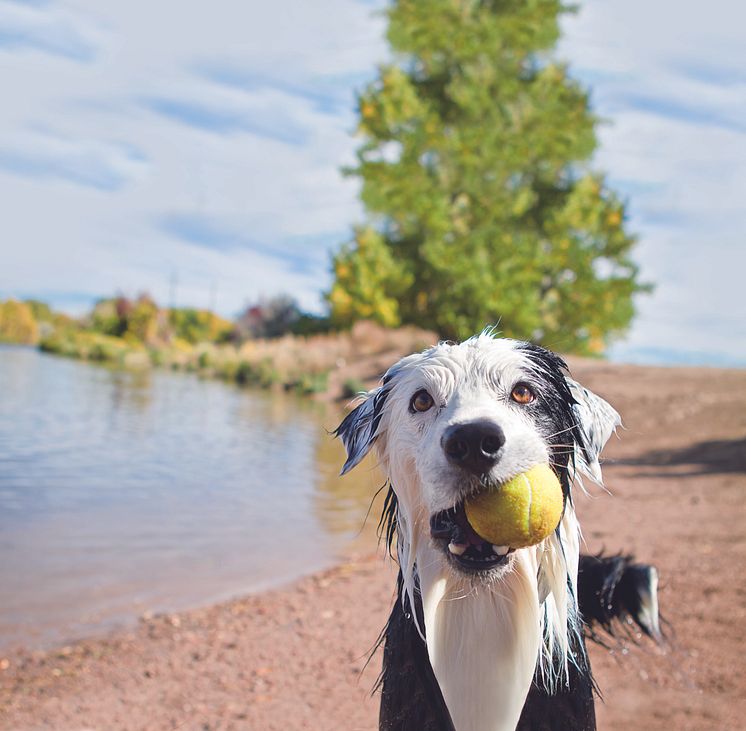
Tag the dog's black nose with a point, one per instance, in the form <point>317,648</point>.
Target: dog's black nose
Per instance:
<point>475,445</point>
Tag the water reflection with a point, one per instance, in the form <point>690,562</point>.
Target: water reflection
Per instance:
<point>342,503</point>
<point>125,491</point>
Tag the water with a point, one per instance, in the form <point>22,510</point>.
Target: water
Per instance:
<point>123,492</point>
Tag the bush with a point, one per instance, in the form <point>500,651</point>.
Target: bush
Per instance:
<point>262,373</point>
<point>310,383</point>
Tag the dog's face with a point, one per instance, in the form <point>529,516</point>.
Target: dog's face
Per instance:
<point>469,417</point>
<point>460,418</point>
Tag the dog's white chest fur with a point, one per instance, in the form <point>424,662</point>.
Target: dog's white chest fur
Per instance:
<point>483,642</point>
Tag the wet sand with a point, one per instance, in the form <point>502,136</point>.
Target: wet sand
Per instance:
<point>294,658</point>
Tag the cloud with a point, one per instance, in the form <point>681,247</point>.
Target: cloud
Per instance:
<point>38,26</point>
<point>327,95</point>
<point>101,165</point>
<point>260,121</point>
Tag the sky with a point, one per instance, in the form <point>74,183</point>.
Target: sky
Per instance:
<point>192,150</point>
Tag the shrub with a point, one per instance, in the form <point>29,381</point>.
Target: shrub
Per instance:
<point>262,373</point>
<point>310,383</point>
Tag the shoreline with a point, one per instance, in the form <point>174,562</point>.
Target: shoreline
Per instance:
<point>45,641</point>
<point>330,367</point>
<point>293,657</point>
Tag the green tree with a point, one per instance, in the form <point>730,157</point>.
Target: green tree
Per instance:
<point>482,206</point>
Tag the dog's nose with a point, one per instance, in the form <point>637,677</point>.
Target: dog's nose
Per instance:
<point>475,445</point>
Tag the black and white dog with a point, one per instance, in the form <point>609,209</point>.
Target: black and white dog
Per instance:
<point>483,637</point>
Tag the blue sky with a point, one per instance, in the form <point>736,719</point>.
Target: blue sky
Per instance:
<point>145,141</point>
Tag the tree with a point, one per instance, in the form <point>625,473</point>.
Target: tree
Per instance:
<point>17,323</point>
<point>482,206</point>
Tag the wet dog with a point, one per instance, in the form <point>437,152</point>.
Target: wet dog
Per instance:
<point>483,637</point>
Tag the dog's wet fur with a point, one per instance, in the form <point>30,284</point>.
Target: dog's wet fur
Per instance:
<point>481,637</point>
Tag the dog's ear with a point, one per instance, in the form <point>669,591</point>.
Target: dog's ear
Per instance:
<point>359,428</point>
<point>597,421</point>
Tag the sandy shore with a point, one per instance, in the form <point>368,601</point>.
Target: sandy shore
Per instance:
<point>294,658</point>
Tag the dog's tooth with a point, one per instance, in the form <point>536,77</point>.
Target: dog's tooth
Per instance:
<point>457,548</point>
<point>501,550</point>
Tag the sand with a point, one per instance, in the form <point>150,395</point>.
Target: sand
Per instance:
<point>295,657</point>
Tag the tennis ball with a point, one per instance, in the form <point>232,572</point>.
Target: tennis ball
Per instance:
<point>520,512</point>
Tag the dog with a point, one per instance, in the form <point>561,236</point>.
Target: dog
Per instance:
<point>482,637</point>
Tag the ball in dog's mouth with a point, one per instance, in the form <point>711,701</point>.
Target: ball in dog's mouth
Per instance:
<point>521,511</point>
<point>481,531</point>
<point>464,545</point>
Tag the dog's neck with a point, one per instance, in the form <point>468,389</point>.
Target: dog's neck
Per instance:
<point>483,640</point>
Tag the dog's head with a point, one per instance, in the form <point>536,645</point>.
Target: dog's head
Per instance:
<point>459,418</point>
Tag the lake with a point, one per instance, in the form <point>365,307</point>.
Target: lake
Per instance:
<point>126,492</point>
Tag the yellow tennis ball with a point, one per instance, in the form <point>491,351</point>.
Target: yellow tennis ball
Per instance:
<point>521,512</point>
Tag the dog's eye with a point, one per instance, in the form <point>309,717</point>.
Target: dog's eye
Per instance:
<point>522,394</point>
<point>421,401</point>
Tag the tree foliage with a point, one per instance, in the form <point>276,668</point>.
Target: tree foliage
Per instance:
<point>367,281</point>
<point>17,323</point>
<point>482,206</point>
<point>137,320</point>
<point>141,320</point>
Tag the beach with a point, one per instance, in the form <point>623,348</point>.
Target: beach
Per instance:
<point>295,657</point>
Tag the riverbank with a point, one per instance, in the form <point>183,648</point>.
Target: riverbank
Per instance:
<point>330,366</point>
<point>294,658</point>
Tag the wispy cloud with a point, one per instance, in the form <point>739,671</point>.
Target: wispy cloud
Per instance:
<point>39,26</point>
<point>105,166</point>
<point>261,122</point>
<point>303,255</point>
<point>328,94</point>
<point>670,108</point>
